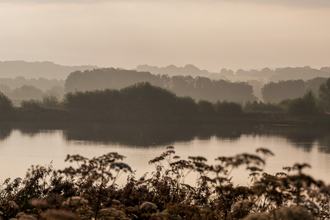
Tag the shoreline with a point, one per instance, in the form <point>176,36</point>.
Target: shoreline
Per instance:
<point>250,118</point>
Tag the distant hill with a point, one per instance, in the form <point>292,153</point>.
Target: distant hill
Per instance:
<point>45,69</point>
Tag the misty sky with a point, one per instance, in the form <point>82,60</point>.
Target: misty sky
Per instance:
<point>211,34</point>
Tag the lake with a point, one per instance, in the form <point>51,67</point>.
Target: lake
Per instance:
<point>24,144</point>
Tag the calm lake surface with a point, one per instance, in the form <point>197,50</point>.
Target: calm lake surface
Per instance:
<point>22,145</point>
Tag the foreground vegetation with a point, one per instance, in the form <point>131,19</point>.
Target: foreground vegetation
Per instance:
<point>88,190</point>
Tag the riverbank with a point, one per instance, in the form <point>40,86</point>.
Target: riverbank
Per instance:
<point>42,114</point>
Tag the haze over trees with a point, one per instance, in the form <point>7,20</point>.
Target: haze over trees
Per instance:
<point>198,88</point>
<point>184,81</point>
<point>277,91</point>
<point>267,74</point>
<point>171,70</point>
<point>45,69</point>
<point>256,78</point>
<point>41,83</point>
<point>26,92</point>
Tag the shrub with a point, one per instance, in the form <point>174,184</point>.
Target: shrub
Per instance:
<point>205,108</point>
<point>50,101</point>
<point>227,108</point>
<point>186,106</point>
<point>31,104</point>
<point>303,105</point>
<point>93,101</point>
<point>262,107</point>
<point>285,102</point>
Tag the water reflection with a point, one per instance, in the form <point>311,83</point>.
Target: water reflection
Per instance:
<point>145,135</point>
<point>324,142</point>
<point>24,144</point>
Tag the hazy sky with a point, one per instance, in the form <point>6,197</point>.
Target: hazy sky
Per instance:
<point>211,34</point>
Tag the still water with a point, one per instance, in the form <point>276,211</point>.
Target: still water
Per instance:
<point>22,145</point>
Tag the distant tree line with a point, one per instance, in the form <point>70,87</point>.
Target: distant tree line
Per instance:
<point>20,88</point>
<point>290,89</point>
<point>287,73</point>
<point>310,97</point>
<point>26,92</point>
<point>197,88</point>
<point>41,83</point>
<point>45,69</point>
<point>267,74</point>
<point>171,70</point>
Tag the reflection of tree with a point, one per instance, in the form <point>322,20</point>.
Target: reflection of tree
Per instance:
<point>143,134</point>
<point>154,134</point>
<point>304,138</point>
<point>32,129</point>
<point>324,144</point>
<point>5,132</point>
<point>135,134</point>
